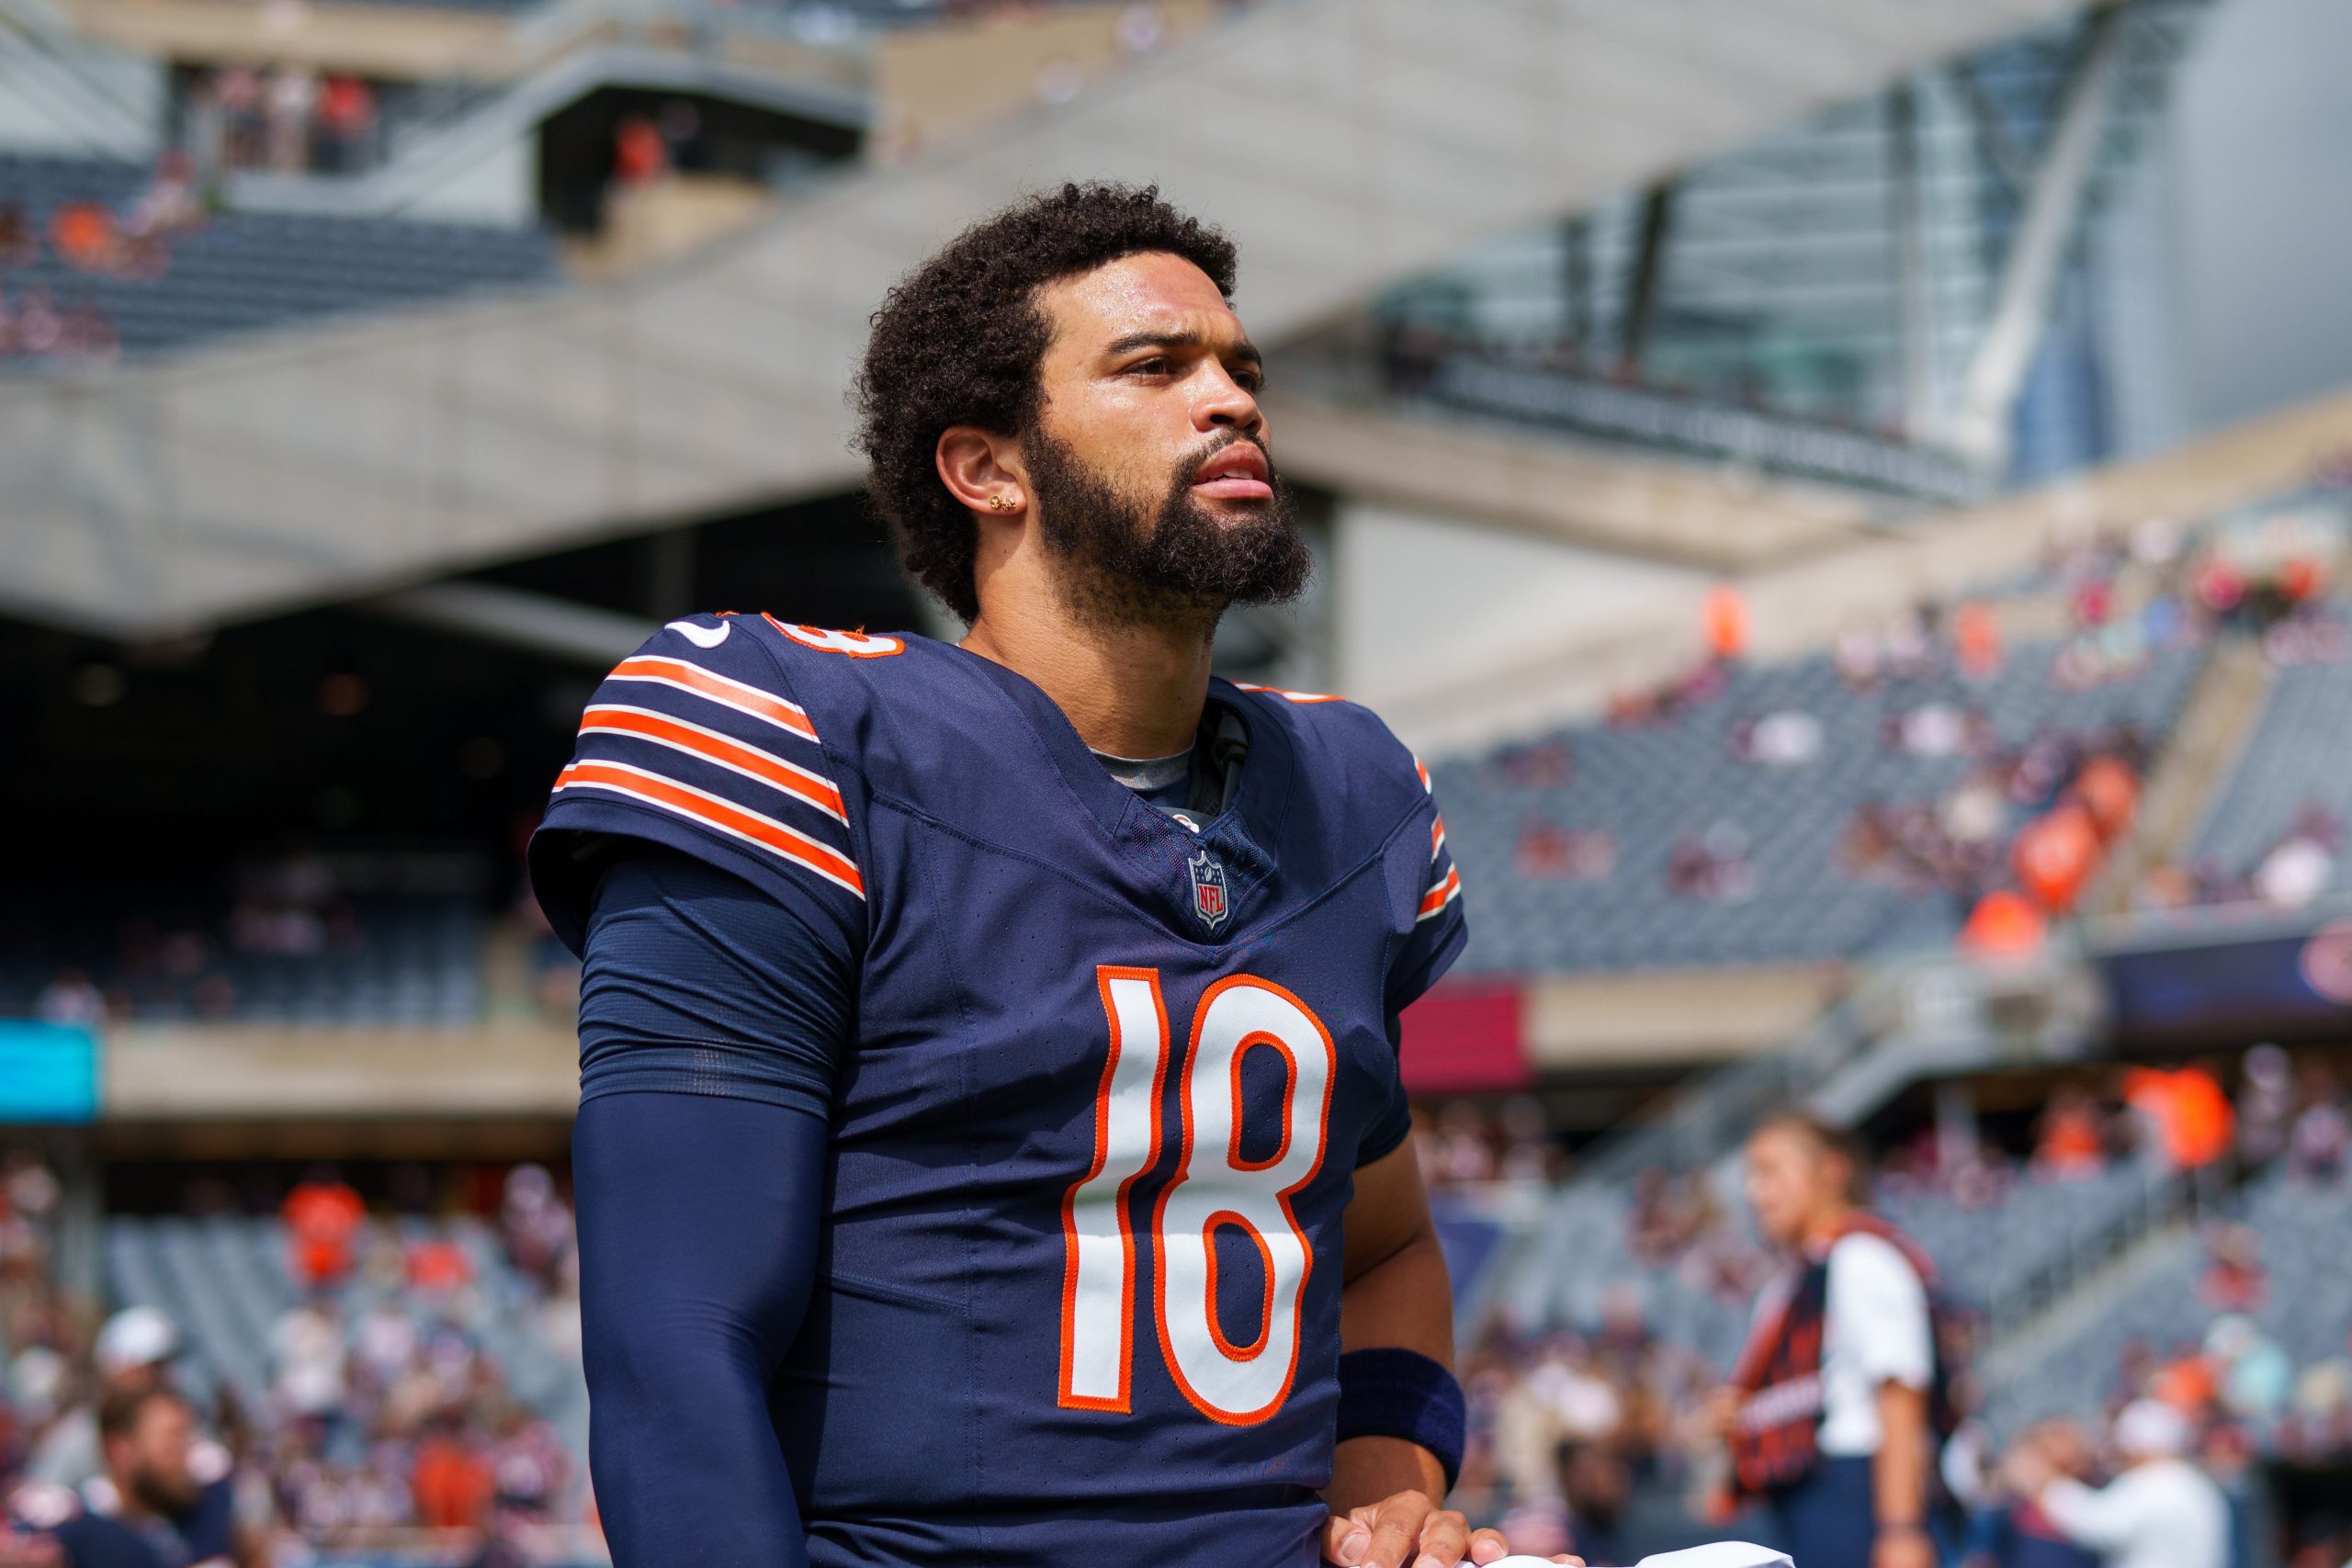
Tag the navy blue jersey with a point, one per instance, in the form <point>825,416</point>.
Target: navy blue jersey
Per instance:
<point>1078,1293</point>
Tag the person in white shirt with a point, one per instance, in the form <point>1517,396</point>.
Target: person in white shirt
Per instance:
<point>2160,1512</point>
<point>1827,1416</point>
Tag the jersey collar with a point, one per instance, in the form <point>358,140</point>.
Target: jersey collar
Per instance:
<point>1242,836</point>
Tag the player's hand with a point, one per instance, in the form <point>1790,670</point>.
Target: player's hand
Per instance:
<point>1409,1530</point>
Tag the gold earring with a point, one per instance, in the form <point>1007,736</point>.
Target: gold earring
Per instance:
<point>997,504</point>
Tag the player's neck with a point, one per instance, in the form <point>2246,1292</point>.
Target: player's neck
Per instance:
<point>1129,690</point>
<point>1826,1226</point>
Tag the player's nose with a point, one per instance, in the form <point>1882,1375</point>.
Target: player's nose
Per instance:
<point>1224,403</point>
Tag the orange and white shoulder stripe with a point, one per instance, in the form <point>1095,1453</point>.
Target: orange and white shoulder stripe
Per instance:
<point>721,816</point>
<point>1437,823</point>
<point>738,696</point>
<point>709,745</point>
<point>1444,891</point>
<point>1290,696</point>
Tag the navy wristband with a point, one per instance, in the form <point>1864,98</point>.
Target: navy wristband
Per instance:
<point>1390,1392</point>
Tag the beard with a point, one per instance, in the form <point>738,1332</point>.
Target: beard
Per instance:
<point>1132,562</point>
<point>161,1495</point>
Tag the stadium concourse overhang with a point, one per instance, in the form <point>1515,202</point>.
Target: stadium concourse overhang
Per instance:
<point>1345,144</point>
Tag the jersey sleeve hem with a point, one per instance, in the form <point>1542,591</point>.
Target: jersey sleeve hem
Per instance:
<point>1386,1141</point>
<point>566,887</point>
<point>1405,990</point>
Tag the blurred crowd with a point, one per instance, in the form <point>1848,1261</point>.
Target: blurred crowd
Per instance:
<point>386,1424</point>
<point>1598,1438</point>
<point>131,243</point>
<point>2019,836</point>
<point>288,118</point>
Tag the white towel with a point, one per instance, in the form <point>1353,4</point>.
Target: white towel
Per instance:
<point>1714,1554</point>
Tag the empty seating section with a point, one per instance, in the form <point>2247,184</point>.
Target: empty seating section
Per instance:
<point>1986,1250</point>
<point>240,271</point>
<point>1650,788</point>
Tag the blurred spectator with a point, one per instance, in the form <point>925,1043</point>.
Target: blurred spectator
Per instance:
<point>20,245</point>
<point>322,1216</point>
<point>453,1479</point>
<point>134,1355</point>
<point>2160,1511</point>
<point>1548,851</point>
<point>1785,738</point>
<point>1596,1488</point>
<point>2018,1533</point>
<point>71,999</point>
<point>2322,1137</point>
<point>2193,1121</point>
<point>171,204</point>
<point>640,156</point>
<point>2265,1105</point>
<point>1976,640</point>
<point>1715,865</point>
<point>1827,1413</point>
<point>2255,1373</point>
<point>1459,1150</point>
<point>1538,764</point>
<point>169,1487</point>
<point>346,124</point>
<point>2186,1382</point>
<point>2072,1140</point>
<point>289,101</point>
<point>307,1344</point>
<point>1932,729</point>
<point>2299,867</point>
<point>2234,1280</point>
<point>1528,1151</point>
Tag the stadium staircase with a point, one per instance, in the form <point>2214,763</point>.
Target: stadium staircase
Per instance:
<point>2141,1283</point>
<point>2216,727</point>
<point>1380,137</point>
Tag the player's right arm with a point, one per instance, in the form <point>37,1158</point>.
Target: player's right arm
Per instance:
<point>697,855</point>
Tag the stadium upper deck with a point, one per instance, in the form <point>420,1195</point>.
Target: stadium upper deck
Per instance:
<point>722,375</point>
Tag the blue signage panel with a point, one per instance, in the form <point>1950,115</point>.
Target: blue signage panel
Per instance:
<point>49,1072</point>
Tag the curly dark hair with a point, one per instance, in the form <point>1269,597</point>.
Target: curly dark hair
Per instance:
<point>958,342</point>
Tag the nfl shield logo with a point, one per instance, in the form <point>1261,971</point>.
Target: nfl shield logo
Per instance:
<point>1208,890</point>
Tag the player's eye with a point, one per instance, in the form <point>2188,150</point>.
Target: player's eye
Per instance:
<point>1156,366</point>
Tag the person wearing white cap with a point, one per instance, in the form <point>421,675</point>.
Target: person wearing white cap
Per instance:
<point>134,1351</point>
<point>136,1345</point>
<point>2160,1512</point>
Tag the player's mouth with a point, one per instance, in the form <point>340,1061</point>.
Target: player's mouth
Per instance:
<point>1238,472</point>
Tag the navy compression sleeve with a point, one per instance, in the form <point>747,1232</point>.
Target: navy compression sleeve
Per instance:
<point>712,1019</point>
<point>698,1240</point>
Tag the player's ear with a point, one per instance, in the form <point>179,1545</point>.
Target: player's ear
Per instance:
<point>982,470</point>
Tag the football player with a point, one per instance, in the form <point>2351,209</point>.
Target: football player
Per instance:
<point>991,1148</point>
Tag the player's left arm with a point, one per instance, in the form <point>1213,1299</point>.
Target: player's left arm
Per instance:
<point>1386,1494</point>
<point>1395,1294</point>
